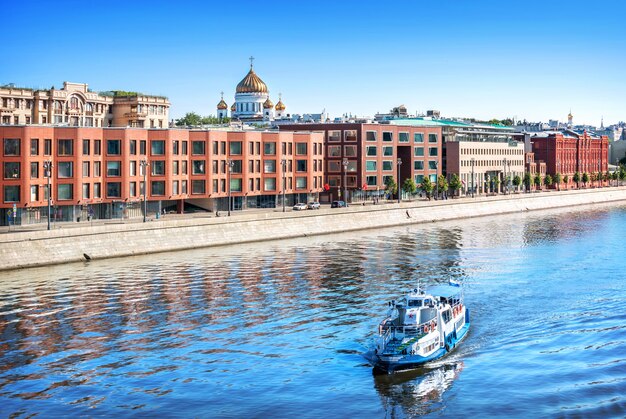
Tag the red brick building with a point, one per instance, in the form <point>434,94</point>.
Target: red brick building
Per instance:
<point>99,171</point>
<point>371,153</point>
<point>567,152</point>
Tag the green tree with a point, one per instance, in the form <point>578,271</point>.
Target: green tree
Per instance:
<point>577,179</point>
<point>566,180</point>
<point>427,186</point>
<point>517,180</point>
<point>547,180</point>
<point>538,180</point>
<point>190,119</point>
<point>528,181</point>
<point>558,179</point>
<point>409,186</point>
<point>442,184</point>
<point>615,177</point>
<point>391,187</point>
<point>455,184</point>
<point>585,179</point>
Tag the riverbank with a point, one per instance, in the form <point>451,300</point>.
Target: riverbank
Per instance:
<point>109,240</point>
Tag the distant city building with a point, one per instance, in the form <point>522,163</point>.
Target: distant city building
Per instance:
<point>77,106</point>
<point>98,172</point>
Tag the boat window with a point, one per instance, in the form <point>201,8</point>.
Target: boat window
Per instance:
<point>446,316</point>
<point>415,303</point>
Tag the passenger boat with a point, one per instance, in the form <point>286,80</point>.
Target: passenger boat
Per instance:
<point>421,327</point>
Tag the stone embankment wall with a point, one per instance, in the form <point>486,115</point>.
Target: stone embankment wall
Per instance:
<point>41,248</point>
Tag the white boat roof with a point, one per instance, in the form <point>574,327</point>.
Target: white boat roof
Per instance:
<point>446,291</point>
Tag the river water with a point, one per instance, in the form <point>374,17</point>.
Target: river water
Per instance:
<point>280,329</point>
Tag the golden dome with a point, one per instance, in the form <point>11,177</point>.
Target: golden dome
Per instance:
<point>268,104</point>
<point>251,84</point>
<point>233,108</point>
<point>222,105</point>
<point>280,106</point>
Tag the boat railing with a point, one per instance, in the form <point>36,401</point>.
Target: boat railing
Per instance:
<point>386,329</point>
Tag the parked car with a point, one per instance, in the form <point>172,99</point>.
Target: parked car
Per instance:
<point>313,205</point>
<point>338,204</point>
<point>299,206</point>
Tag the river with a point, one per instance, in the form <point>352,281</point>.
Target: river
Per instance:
<point>280,329</point>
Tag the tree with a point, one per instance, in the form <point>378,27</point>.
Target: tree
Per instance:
<point>496,183</point>
<point>585,179</point>
<point>547,180</point>
<point>455,184</point>
<point>517,180</point>
<point>577,179</point>
<point>427,186</point>
<point>615,177</point>
<point>538,180</point>
<point>190,119</point>
<point>622,174</point>
<point>442,184</point>
<point>528,181</point>
<point>565,180</point>
<point>557,180</point>
<point>409,186</point>
<point>391,187</point>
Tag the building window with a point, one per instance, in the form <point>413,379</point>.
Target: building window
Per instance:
<point>269,166</point>
<point>418,151</point>
<point>97,144</point>
<point>175,167</point>
<point>301,182</point>
<point>403,137</point>
<point>85,191</point>
<point>235,148</point>
<point>418,165</point>
<point>388,151</point>
<point>132,147</point>
<point>85,169</point>
<point>142,147</point>
<point>113,169</point>
<point>47,147</point>
<point>418,137</point>
<point>65,192</point>
<point>387,165</point>
<point>198,187</point>
<point>371,180</point>
<point>86,147</point>
<point>65,147</point>
<point>269,149</point>
<point>237,166</point>
<point>432,138</point>
<point>197,167</point>
<point>65,169</point>
<point>334,151</point>
<point>235,185</point>
<point>350,135</point>
<point>157,188</point>
<point>419,179</point>
<point>157,147</point>
<point>175,187</point>
<point>432,165</point>
<point>184,149</point>
<point>197,148</point>
<point>370,165</point>
<point>158,167</point>
<point>349,151</point>
<point>11,147</point>
<point>387,136</point>
<point>334,166</point>
<point>269,184</point>
<point>11,170</point>
<point>96,190</point>
<point>34,146</point>
<point>132,168</point>
<point>132,189</point>
<point>301,149</point>
<point>370,151</point>
<point>34,193</point>
<point>301,165</point>
<point>96,169</point>
<point>11,193</point>
<point>432,151</point>
<point>34,170</point>
<point>334,136</point>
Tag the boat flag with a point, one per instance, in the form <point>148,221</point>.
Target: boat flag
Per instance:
<point>454,283</point>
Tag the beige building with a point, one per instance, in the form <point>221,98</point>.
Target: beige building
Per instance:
<point>77,106</point>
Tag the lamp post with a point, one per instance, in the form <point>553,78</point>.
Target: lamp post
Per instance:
<point>473,161</point>
<point>399,162</point>
<point>230,171</point>
<point>345,186</point>
<point>436,180</point>
<point>504,182</point>
<point>600,166</point>
<point>509,180</point>
<point>47,167</point>
<point>144,167</point>
<point>283,163</point>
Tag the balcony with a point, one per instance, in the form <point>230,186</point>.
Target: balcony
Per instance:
<point>135,115</point>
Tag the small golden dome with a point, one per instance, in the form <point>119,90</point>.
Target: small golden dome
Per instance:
<point>233,108</point>
<point>222,105</point>
<point>251,84</point>
<point>268,104</point>
<point>280,106</point>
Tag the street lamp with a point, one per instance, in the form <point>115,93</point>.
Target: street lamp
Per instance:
<point>473,161</point>
<point>345,186</point>
<point>436,180</point>
<point>505,185</point>
<point>399,162</point>
<point>47,167</point>
<point>231,163</point>
<point>283,163</point>
<point>144,167</point>
<point>509,187</point>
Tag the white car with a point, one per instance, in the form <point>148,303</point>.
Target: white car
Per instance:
<point>314,205</point>
<point>299,206</point>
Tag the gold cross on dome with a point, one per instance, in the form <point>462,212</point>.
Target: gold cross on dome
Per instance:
<point>251,61</point>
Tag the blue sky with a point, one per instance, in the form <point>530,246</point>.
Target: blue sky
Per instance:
<point>483,59</point>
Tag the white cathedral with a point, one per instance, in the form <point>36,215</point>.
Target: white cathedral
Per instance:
<point>252,101</point>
